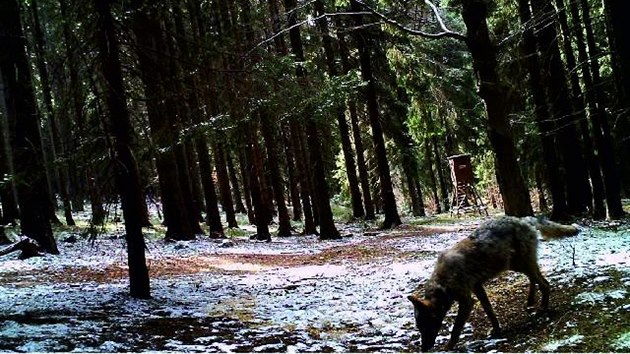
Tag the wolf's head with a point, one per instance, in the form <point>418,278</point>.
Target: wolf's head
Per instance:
<point>428,320</point>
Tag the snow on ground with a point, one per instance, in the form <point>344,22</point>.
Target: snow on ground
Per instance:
<point>338,306</point>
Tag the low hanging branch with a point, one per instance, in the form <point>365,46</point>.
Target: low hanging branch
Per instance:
<point>445,31</point>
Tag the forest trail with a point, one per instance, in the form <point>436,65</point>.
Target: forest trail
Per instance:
<point>298,294</point>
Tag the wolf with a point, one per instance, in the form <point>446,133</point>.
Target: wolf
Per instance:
<point>498,245</point>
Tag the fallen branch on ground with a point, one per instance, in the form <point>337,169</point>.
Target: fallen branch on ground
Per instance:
<point>27,246</point>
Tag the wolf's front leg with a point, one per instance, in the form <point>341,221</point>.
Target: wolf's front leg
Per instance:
<point>480,292</point>
<point>465,306</point>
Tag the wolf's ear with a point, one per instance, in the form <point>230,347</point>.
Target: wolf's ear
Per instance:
<point>417,302</point>
<point>414,299</point>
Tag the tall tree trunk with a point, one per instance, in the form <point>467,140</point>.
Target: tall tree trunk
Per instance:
<point>618,28</point>
<point>364,176</point>
<point>178,111</point>
<point>392,219</point>
<point>200,141</point>
<point>57,145</point>
<point>243,163</point>
<point>76,101</point>
<point>356,134</point>
<point>495,95</point>
<point>8,198</point>
<point>239,207</point>
<point>24,123</point>
<point>304,168</point>
<point>578,190</point>
<point>601,128</point>
<point>539,177</point>
<point>439,167</point>
<point>127,176</point>
<point>150,44</point>
<point>195,177</point>
<point>254,175</point>
<point>597,198</point>
<point>432,180</point>
<point>546,125</point>
<point>268,128</point>
<point>224,184</point>
<point>327,228</point>
<point>344,131</point>
<point>213,217</point>
<point>292,174</point>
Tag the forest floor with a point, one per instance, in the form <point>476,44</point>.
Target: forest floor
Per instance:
<point>299,294</point>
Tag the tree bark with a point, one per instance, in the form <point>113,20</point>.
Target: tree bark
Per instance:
<point>553,74</point>
<point>268,128</point>
<point>224,184</point>
<point>57,145</point>
<point>546,125</point>
<point>149,43</point>
<point>618,28</point>
<point>368,204</point>
<point>127,176</point>
<point>601,128</point>
<point>254,175</point>
<point>392,219</point>
<point>495,95</point>
<point>596,205</point>
<point>432,180</point>
<point>239,207</point>
<point>24,125</point>
<point>344,131</point>
<point>8,198</point>
<point>292,174</point>
<point>327,228</point>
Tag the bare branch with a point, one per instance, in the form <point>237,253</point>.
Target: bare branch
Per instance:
<point>445,32</point>
<point>303,22</point>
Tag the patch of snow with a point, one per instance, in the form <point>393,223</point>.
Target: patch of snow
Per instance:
<point>111,346</point>
<point>566,342</point>
<point>593,298</point>
<point>622,343</point>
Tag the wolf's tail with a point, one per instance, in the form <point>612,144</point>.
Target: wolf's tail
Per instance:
<point>551,230</point>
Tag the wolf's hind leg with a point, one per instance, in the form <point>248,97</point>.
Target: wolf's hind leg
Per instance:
<point>531,295</point>
<point>535,277</point>
<point>480,292</point>
<point>544,288</point>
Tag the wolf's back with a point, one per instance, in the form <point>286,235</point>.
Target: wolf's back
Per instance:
<point>515,234</point>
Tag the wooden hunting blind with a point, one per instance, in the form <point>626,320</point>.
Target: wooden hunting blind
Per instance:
<point>465,196</point>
